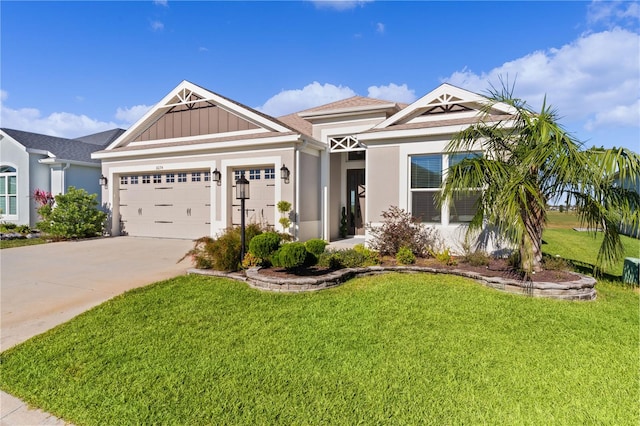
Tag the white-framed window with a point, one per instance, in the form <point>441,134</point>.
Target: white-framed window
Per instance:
<point>270,173</point>
<point>237,174</point>
<point>207,176</point>
<point>134,180</point>
<point>8,191</point>
<point>157,178</point>
<point>196,177</point>
<point>427,171</point>
<point>124,180</point>
<point>426,177</point>
<point>182,177</point>
<point>254,174</point>
<point>146,178</point>
<point>170,178</point>
<point>463,208</point>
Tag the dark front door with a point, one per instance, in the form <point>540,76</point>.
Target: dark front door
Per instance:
<point>355,201</point>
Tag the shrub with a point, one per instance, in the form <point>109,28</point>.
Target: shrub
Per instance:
<point>290,256</point>
<point>264,245</point>
<point>445,257</point>
<point>75,215</point>
<point>315,246</point>
<point>349,258</point>
<point>9,226</point>
<point>477,258</point>
<point>555,263</point>
<point>405,256</point>
<point>251,261</point>
<point>223,252</point>
<point>400,229</point>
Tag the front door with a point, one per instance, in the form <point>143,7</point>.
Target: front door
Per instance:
<point>355,201</point>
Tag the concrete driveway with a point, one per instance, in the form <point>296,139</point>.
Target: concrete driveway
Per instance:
<point>45,285</point>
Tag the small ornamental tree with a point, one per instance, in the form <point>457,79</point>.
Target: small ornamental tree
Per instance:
<point>75,215</point>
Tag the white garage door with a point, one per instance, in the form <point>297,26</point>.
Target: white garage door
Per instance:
<point>169,204</point>
<point>260,207</point>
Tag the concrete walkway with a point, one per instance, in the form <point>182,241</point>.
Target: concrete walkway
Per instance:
<point>46,285</point>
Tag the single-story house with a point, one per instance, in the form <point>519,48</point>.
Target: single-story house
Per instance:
<point>30,161</point>
<point>173,173</point>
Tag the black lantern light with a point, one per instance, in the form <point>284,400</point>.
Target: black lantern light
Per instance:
<point>284,173</point>
<point>242,193</point>
<point>103,180</point>
<point>217,177</point>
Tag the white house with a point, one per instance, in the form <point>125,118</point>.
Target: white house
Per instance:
<point>30,161</point>
<point>172,174</point>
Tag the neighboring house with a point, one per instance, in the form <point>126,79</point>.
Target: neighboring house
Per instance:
<point>360,154</point>
<point>628,228</point>
<point>30,161</point>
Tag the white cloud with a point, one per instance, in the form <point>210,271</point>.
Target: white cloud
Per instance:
<point>3,95</point>
<point>164,3</point>
<point>593,79</point>
<point>157,26</point>
<point>62,124</point>
<point>131,115</point>
<point>380,28</point>
<point>339,5</point>
<point>202,49</point>
<point>393,92</point>
<point>613,13</point>
<point>314,94</point>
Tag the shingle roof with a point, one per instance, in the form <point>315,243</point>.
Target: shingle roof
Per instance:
<point>354,101</point>
<point>62,148</point>
<point>103,138</point>
<point>440,123</point>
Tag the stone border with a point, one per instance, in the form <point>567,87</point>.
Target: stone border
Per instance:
<point>581,289</point>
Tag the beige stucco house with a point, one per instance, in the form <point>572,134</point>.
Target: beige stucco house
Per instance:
<point>360,154</point>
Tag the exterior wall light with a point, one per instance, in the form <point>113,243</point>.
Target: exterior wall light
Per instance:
<point>217,177</point>
<point>103,181</point>
<point>285,173</point>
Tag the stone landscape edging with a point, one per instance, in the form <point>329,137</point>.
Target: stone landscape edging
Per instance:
<point>580,289</point>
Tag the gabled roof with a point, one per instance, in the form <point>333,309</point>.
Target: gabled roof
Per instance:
<point>60,148</point>
<point>188,95</point>
<point>444,102</point>
<point>352,103</point>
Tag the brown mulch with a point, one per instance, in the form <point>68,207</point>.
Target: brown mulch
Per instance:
<point>496,268</point>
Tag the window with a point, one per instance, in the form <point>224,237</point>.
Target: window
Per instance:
<point>182,177</point>
<point>355,155</point>
<point>134,180</point>
<point>146,178</point>
<point>196,177</point>
<point>269,173</point>
<point>157,178</point>
<point>237,174</point>
<point>254,174</point>
<point>170,178</point>
<point>426,177</point>
<point>8,191</point>
<point>124,180</point>
<point>463,208</point>
<point>207,176</point>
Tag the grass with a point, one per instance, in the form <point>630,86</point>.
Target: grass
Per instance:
<point>4,244</point>
<point>392,349</point>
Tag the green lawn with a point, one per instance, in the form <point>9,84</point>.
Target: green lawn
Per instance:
<point>392,349</point>
<point>4,244</point>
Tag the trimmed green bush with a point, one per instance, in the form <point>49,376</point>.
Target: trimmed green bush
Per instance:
<point>75,215</point>
<point>405,256</point>
<point>315,246</point>
<point>349,258</point>
<point>264,245</point>
<point>290,256</point>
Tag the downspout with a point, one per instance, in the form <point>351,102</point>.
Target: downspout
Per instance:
<point>64,178</point>
<point>297,188</point>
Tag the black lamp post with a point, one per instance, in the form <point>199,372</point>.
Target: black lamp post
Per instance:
<point>242,193</point>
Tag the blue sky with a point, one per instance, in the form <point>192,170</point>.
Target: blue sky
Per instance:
<point>74,68</point>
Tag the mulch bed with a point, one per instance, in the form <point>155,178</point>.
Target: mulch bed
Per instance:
<point>496,268</point>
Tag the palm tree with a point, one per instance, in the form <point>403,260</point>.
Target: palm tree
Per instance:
<point>530,160</point>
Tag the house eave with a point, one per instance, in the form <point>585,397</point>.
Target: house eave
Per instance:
<point>344,112</point>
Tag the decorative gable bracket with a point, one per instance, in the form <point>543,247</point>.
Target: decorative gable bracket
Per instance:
<point>345,144</point>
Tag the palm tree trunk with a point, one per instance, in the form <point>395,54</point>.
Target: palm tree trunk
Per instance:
<point>531,247</point>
